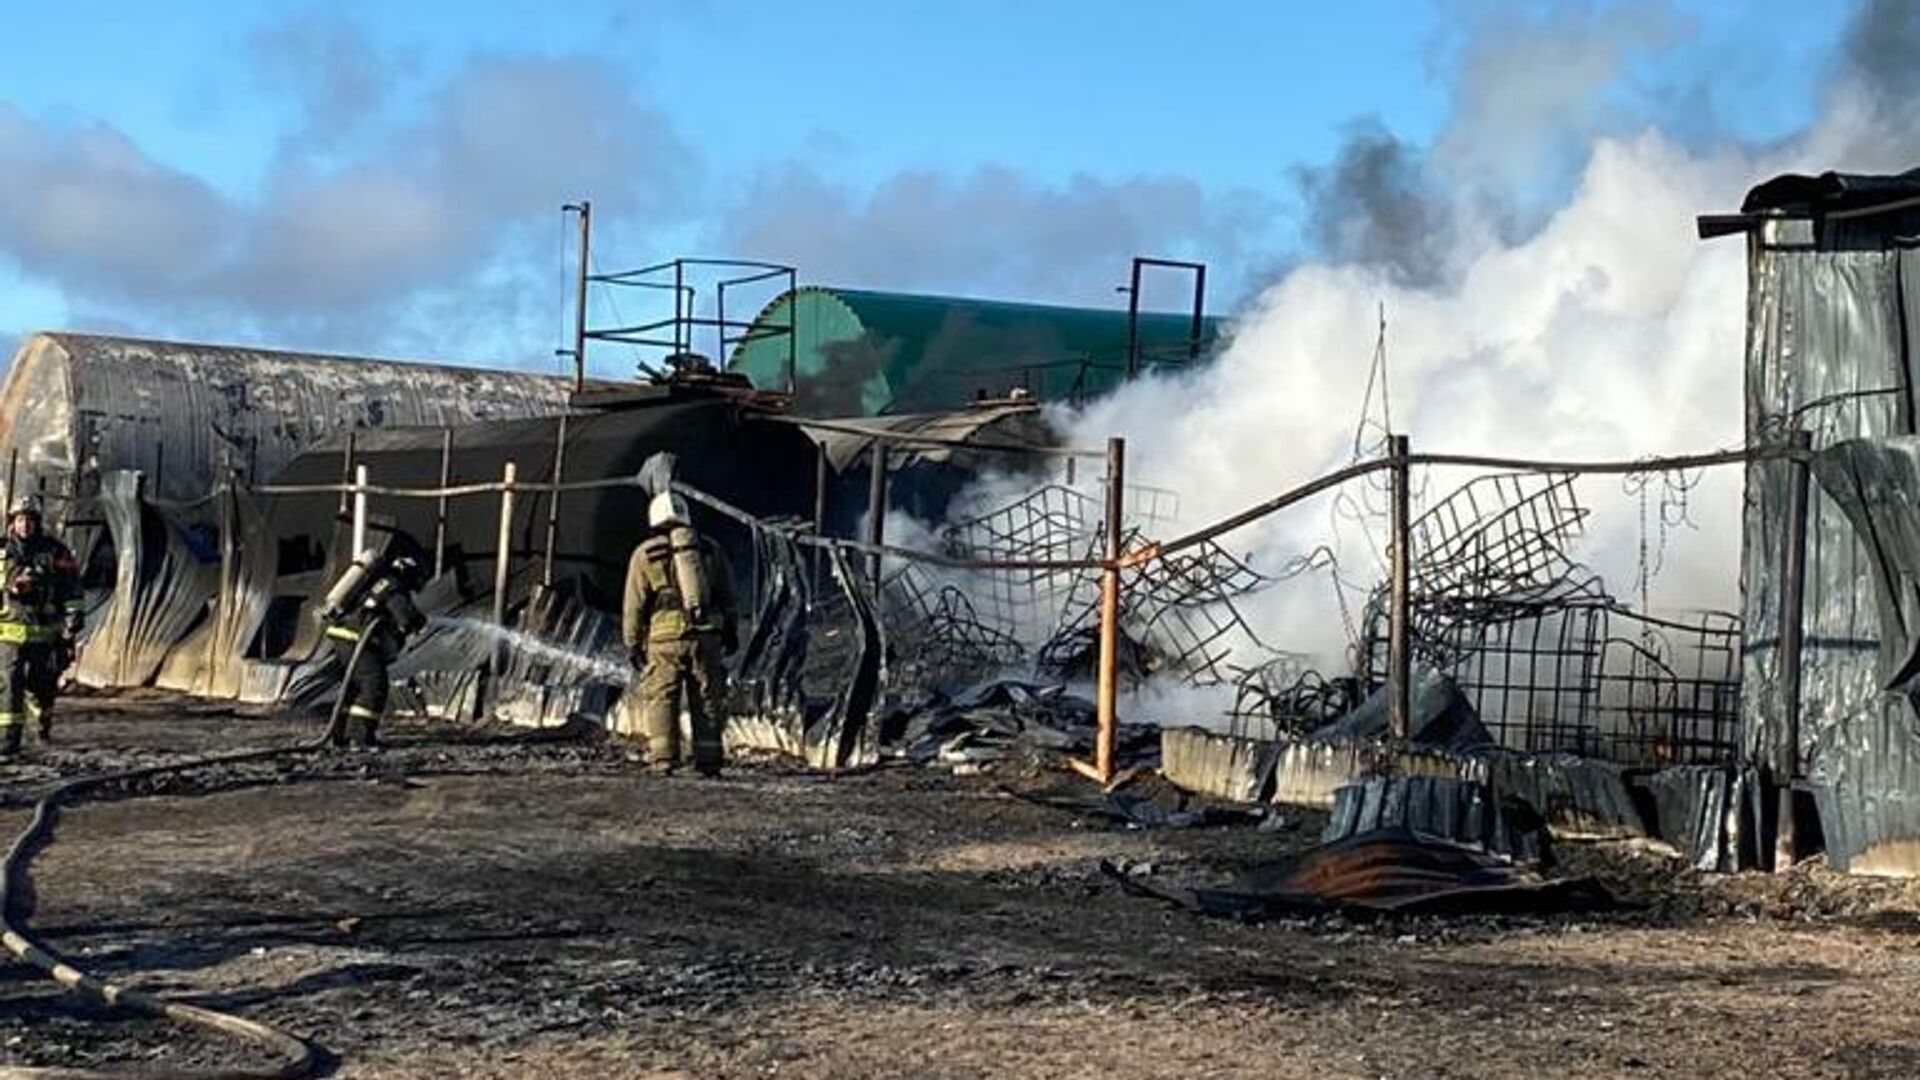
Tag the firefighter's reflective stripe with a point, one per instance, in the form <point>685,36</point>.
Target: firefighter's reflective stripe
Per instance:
<point>76,607</point>
<point>19,633</point>
<point>363,712</point>
<point>9,719</point>
<point>344,633</point>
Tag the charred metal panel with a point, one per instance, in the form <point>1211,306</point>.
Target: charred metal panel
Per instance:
<point>163,586</point>
<point>1463,811</point>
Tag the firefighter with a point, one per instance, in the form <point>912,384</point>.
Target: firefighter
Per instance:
<point>41,616</point>
<point>679,622</point>
<point>369,612</point>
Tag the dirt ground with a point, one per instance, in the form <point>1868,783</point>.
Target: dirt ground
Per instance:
<point>492,907</point>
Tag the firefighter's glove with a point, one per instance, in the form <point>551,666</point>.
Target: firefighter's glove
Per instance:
<point>24,582</point>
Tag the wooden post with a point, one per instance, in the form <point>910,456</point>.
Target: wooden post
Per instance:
<point>877,510</point>
<point>503,563</point>
<point>1108,692</point>
<point>440,512</point>
<point>1793,582</point>
<point>553,502</point>
<point>359,510</point>
<point>1399,655</point>
<point>503,551</point>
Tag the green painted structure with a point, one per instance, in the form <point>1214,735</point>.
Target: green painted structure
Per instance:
<point>863,353</point>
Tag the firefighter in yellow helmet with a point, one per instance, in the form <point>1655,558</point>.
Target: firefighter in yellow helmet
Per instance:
<point>41,615</point>
<point>679,622</point>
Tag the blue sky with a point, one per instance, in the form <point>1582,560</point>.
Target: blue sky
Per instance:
<point>385,177</point>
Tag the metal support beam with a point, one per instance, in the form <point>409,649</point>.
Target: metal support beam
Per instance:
<point>1108,691</point>
<point>346,471</point>
<point>440,509</point>
<point>553,501</point>
<point>821,478</point>
<point>1793,584</point>
<point>1399,654</point>
<point>877,510</point>
<point>580,298</point>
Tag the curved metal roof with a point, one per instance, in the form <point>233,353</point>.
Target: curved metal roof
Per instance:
<point>76,405</point>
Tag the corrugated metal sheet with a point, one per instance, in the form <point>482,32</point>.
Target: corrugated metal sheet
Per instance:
<point>1829,349</point>
<point>1579,798</point>
<point>1463,811</point>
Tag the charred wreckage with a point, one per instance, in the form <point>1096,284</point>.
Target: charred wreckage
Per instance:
<point>212,494</point>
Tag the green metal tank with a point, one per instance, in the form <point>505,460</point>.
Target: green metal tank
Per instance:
<point>862,353</point>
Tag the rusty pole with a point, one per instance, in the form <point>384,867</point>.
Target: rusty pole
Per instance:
<point>440,510</point>
<point>1108,691</point>
<point>359,510</point>
<point>1793,582</point>
<point>1399,656</point>
<point>877,510</point>
<point>553,504</point>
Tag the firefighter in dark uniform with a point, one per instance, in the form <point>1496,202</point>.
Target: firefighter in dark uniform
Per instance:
<point>41,616</point>
<point>678,621</point>
<point>370,612</point>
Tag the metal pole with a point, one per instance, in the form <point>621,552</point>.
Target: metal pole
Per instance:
<point>580,299</point>
<point>820,479</point>
<point>553,503</point>
<point>1199,306</point>
<point>1793,581</point>
<point>1399,656</point>
<point>877,509</point>
<point>13,472</point>
<point>346,471</point>
<point>793,335</point>
<point>678,299</point>
<point>359,510</point>
<point>223,604</point>
<point>1108,692</point>
<point>440,511</point>
<point>1133,322</point>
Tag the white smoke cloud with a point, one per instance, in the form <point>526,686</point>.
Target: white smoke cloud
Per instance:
<point>1609,331</point>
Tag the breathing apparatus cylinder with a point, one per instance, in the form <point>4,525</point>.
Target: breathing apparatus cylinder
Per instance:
<point>689,572</point>
<point>352,586</point>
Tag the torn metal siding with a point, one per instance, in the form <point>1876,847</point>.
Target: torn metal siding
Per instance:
<point>79,405</point>
<point>1828,350</point>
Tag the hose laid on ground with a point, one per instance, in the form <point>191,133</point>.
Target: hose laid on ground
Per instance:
<point>295,1058</point>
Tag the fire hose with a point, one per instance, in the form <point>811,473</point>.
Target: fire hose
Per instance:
<point>294,1057</point>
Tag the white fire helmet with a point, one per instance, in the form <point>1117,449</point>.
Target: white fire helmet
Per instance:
<point>667,508</point>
